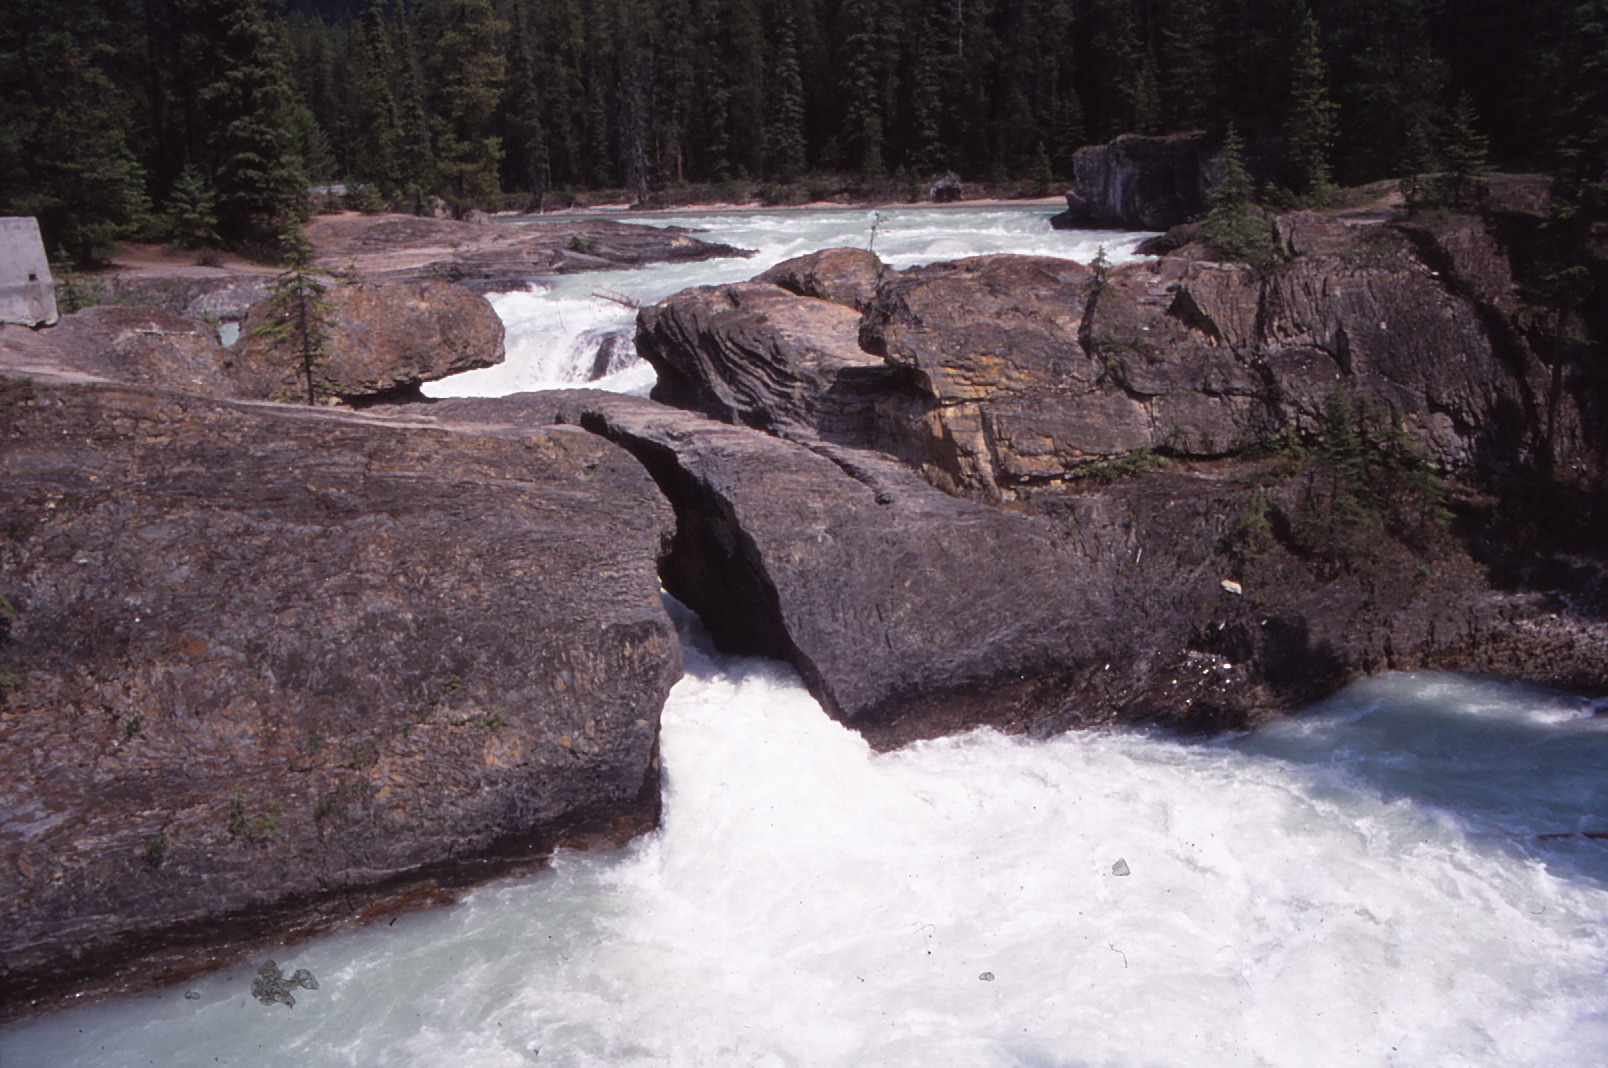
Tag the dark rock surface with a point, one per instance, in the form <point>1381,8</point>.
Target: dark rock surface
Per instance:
<point>383,339</point>
<point>137,344</point>
<point>1139,183</point>
<point>1006,374</point>
<point>946,189</point>
<point>265,667</point>
<point>764,357</point>
<point>910,612</point>
<point>1061,576</point>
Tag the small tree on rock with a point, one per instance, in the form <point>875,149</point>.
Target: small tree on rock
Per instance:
<point>298,323</point>
<point>1234,225</point>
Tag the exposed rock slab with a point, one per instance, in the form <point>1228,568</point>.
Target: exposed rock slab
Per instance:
<point>137,344</point>
<point>265,666</point>
<point>400,248</point>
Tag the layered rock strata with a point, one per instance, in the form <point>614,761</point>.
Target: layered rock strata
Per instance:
<point>1130,505</point>
<point>1002,376</point>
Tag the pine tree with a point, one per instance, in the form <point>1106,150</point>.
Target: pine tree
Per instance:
<point>1187,75</point>
<point>870,58</point>
<point>1233,225</point>
<point>299,318</point>
<point>1309,130</point>
<point>65,155</point>
<point>787,117</point>
<point>466,64</point>
<point>244,118</point>
<point>192,217</point>
<point>377,128</point>
<point>1467,156</point>
<point>937,77</point>
<point>529,165</point>
<point>416,156</point>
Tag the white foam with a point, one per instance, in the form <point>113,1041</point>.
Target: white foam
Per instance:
<point>555,325</point>
<point>811,902</point>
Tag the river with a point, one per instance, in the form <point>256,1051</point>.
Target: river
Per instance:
<point>1404,875</point>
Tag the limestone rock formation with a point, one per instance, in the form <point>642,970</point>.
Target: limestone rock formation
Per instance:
<point>1144,511</point>
<point>1164,598</point>
<point>264,666</point>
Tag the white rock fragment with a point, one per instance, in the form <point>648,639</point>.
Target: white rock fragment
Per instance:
<point>1230,586</point>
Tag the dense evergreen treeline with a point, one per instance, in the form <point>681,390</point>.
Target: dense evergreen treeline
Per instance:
<point>212,116</point>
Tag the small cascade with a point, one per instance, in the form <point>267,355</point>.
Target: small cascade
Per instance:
<point>577,329</point>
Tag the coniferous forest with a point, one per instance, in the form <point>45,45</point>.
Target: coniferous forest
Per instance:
<point>205,121</point>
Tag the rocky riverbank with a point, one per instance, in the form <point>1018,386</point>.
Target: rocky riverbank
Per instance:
<point>266,666</point>
<point>485,254</point>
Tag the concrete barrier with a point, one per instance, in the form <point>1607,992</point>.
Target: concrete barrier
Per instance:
<point>27,291</point>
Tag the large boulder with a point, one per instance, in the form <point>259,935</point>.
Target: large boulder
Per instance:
<point>382,339</point>
<point>265,667</point>
<point>1139,183</point>
<point>756,354</point>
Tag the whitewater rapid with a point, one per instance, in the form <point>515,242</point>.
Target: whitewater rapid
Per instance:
<point>556,326</point>
<point>1360,885</point>
<point>1405,875</point>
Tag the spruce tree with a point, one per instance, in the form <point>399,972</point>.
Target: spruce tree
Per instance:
<point>65,155</point>
<point>192,218</point>
<point>1187,75</point>
<point>1310,128</point>
<point>871,56</point>
<point>787,118</point>
<point>529,166</point>
<point>298,326</point>
<point>937,77</point>
<point>466,64</point>
<point>416,156</point>
<point>377,127</point>
<point>1467,156</point>
<point>245,118</point>
<point>1233,225</point>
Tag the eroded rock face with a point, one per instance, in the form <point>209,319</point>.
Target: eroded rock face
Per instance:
<point>1049,583</point>
<point>382,339</point>
<point>1139,183</point>
<point>265,665</point>
<point>1007,374</point>
<point>910,612</point>
<point>757,354</point>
